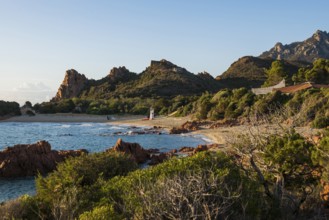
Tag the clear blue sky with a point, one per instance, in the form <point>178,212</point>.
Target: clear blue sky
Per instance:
<point>40,39</point>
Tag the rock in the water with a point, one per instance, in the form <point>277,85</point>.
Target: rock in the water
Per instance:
<point>186,149</point>
<point>31,159</point>
<point>139,154</point>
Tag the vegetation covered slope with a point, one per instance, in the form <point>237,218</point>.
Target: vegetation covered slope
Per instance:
<point>160,79</point>
<point>251,72</point>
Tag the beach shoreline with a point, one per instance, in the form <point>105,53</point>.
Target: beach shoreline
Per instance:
<point>164,122</point>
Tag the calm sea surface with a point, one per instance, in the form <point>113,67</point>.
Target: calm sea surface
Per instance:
<point>94,137</point>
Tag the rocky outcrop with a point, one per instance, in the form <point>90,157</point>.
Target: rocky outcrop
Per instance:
<point>139,154</point>
<point>224,123</point>
<point>31,159</point>
<point>185,128</point>
<point>160,158</point>
<point>199,148</point>
<point>153,156</point>
<point>120,74</point>
<point>71,86</point>
<point>312,48</point>
<point>324,194</point>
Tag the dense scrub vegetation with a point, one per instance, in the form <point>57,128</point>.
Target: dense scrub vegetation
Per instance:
<point>267,177</point>
<point>9,108</point>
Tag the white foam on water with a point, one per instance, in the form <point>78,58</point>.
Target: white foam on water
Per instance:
<point>86,125</point>
<point>207,139</point>
<point>65,126</point>
<point>116,128</point>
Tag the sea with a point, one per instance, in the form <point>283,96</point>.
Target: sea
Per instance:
<point>94,137</point>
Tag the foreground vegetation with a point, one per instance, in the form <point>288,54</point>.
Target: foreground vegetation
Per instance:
<point>277,176</point>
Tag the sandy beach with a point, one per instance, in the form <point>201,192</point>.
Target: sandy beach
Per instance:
<point>215,135</point>
<point>221,135</point>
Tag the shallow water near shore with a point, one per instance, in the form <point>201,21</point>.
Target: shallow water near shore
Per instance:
<point>94,137</point>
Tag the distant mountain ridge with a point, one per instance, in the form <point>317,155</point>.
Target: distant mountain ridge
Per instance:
<point>317,46</point>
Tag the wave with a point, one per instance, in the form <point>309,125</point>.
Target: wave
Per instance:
<point>65,126</point>
<point>86,125</point>
<point>116,128</point>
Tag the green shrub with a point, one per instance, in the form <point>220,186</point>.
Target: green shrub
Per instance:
<point>321,122</point>
<point>9,108</point>
<point>207,182</point>
<point>76,184</point>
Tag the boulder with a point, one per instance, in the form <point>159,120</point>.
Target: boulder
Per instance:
<point>139,154</point>
<point>186,149</point>
<point>324,194</point>
<point>185,128</point>
<point>30,159</point>
<point>224,123</point>
<point>160,158</point>
<point>178,130</point>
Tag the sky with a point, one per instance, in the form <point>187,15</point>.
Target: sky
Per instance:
<point>40,40</point>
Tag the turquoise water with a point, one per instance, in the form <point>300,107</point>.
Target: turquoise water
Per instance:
<point>94,137</point>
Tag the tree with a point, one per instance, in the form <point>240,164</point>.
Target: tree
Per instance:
<point>281,159</point>
<point>276,73</point>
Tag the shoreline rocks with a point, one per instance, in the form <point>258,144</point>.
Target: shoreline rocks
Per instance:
<point>153,156</point>
<point>30,159</point>
<point>185,128</point>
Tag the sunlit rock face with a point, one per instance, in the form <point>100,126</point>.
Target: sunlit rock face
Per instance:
<point>72,85</point>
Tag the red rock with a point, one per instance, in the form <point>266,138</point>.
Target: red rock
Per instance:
<point>31,159</point>
<point>139,154</point>
<point>156,159</point>
<point>178,130</point>
<point>200,148</point>
<point>186,127</point>
<point>71,86</point>
<point>324,194</point>
<point>186,149</point>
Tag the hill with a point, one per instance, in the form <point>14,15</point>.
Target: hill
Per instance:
<point>250,71</point>
<point>161,79</point>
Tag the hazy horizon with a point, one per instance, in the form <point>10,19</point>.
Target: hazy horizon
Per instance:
<point>41,40</point>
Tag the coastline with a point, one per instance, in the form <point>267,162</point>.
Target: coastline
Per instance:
<point>217,135</point>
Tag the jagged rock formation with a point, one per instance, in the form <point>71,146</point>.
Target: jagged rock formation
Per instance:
<point>120,74</point>
<point>139,154</point>
<point>71,86</point>
<point>161,78</point>
<point>312,48</point>
<point>31,159</point>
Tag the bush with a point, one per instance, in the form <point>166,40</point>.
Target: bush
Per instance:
<point>9,108</point>
<point>207,185</point>
<point>75,186</point>
<point>321,122</point>
<point>30,113</point>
